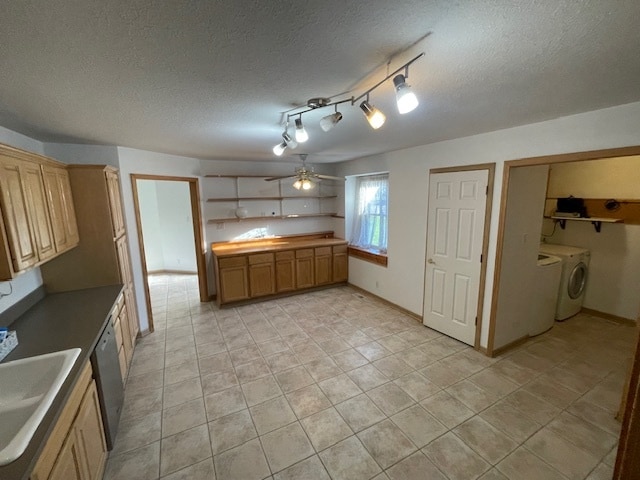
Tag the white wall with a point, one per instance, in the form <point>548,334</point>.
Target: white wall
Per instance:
<point>82,153</point>
<point>402,282</point>
<point>523,221</point>
<point>28,281</point>
<point>176,226</point>
<point>148,202</point>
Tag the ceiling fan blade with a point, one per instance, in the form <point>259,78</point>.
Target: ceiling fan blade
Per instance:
<point>271,179</point>
<point>329,177</point>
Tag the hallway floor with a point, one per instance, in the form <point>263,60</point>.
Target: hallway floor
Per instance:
<point>337,385</point>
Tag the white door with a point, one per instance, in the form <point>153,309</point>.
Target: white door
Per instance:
<point>455,229</point>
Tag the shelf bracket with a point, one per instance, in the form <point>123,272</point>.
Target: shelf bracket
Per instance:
<point>597,225</point>
<point>563,223</point>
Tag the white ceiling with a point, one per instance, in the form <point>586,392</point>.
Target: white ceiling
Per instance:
<point>210,79</point>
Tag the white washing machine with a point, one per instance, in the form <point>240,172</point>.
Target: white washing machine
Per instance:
<point>575,269</point>
<point>546,284</point>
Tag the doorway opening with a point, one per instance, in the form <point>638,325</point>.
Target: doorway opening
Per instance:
<point>629,441</point>
<point>170,235</point>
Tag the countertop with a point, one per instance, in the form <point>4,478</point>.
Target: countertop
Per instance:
<point>271,245</point>
<point>58,322</point>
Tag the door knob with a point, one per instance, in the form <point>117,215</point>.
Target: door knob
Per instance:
<point>431,261</point>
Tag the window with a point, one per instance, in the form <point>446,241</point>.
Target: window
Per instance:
<point>370,225</point>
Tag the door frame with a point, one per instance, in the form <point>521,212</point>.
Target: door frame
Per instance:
<point>198,235</point>
<point>627,459</point>
<point>491,168</point>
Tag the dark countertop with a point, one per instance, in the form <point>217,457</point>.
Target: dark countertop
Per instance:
<point>58,322</point>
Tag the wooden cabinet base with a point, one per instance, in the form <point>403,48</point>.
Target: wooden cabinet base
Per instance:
<point>246,272</point>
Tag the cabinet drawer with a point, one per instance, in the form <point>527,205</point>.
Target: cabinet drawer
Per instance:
<point>323,250</point>
<point>340,249</point>
<point>304,253</point>
<point>260,258</point>
<point>288,255</point>
<point>232,262</point>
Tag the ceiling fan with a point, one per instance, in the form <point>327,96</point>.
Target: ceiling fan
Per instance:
<point>305,176</point>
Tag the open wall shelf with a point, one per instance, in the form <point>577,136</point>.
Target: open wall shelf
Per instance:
<point>272,217</point>
<point>596,221</point>
<point>234,199</point>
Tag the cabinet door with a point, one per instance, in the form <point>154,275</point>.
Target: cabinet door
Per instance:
<point>340,264</point>
<point>68,465</point>
<point>285,271</point>
<point>304,268</point>
<point>38,210</point>
<point>234,284</point>
<point>89,435</point>
<point>63,216</point>
<point>323,261</point>
<point>16,216</point>
<point>124,265</point>
<point>261,279</point>
<point>115,203</point>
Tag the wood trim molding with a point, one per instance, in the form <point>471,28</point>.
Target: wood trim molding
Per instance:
<point>200,248</point>
<point>368,256</point>
<point>609,316</point>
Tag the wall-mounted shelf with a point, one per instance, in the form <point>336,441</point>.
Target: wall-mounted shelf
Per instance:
<point>233,199</point>
<point>271,217</point>
<point>596,221</point>
<point>259,197</point>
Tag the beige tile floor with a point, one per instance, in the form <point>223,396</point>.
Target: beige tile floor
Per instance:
<point>334,384</point>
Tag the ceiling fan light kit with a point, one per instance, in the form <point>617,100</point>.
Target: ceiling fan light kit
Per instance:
<point>406,101</point>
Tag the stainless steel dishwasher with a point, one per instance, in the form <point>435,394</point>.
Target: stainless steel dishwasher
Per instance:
<point>106,370</point>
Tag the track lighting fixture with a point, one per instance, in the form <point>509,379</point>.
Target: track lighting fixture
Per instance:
<point>301,134</point>
<point>291,143</point>
<point>374,116</point>
<point>405,98</point>
<point>280,148</point>
<point>330,121</point>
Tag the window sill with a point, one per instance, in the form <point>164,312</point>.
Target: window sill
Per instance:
<point>372,256</point>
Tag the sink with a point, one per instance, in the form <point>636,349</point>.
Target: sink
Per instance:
<point>27,389</point>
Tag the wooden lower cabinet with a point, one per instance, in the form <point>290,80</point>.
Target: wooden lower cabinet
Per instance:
<point>258,274</point>
<point>285,271</point>
<point>262,279</point>
<point>89,436</point>
<point>305,277</point>
<point>234,281</point>
<point>76,448</point>
<point>340,264</point>
<point>323,261</point>
<point>68,464</point>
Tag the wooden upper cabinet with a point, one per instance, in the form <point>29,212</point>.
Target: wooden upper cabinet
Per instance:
<point>39,210</point>
<point>63,216</point>
<point>115,203</point>
<point>15,211</point>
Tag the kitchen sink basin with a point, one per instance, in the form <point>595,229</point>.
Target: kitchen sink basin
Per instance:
<point>27,389</point>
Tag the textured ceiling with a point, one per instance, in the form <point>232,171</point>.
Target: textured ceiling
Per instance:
<point>210,79</point>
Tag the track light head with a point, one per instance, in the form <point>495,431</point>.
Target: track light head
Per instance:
<point>405,98</point>
<point>374,116</point>
<point>301,134</point>
<point>280,148</point>
<point>290,142</point>
<point>330,121</point>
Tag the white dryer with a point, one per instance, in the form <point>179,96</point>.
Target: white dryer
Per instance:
<point>573,281</point>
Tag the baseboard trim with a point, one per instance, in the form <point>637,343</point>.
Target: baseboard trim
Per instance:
<point>609,316</point>
<point>509,346</point>
<point>390,304</point>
